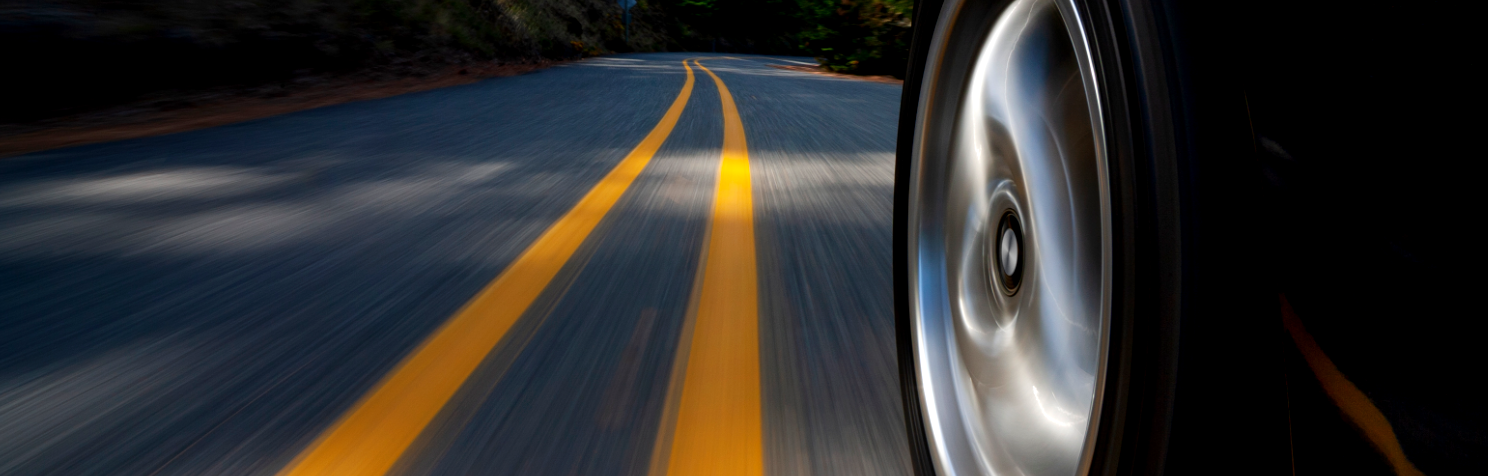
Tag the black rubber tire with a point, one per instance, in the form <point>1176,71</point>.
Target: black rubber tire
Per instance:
<point>925,12</point>
<point>1192,386</point>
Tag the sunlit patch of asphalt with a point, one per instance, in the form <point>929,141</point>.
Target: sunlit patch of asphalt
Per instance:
<point>246,210</point>
<point>858,189</point>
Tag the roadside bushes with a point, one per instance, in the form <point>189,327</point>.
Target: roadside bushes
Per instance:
<point>65,56</point>
<point>851,36</point>
<point>860,36</point>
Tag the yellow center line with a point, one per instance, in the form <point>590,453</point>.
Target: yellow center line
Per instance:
<point>1354,403</point>
<point>718,428</point>
<point>371,437</point>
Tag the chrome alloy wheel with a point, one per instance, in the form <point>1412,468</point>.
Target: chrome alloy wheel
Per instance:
<point>1010,241</point>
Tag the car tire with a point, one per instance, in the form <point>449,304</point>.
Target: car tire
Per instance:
<point>1182,367</point>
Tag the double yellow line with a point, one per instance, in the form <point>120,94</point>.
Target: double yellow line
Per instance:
<point>718,419</point>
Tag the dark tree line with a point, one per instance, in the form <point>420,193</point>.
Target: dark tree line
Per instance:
<point>65,56</point>
<point>855,36</point>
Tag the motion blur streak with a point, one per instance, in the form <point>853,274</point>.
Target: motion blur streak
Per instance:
<point>216,302</point>
<point>1354,403</point>
<point>374,434</point>
<point>718,424</point>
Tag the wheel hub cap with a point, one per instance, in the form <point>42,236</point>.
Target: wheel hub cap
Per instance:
<point>1010,238</point>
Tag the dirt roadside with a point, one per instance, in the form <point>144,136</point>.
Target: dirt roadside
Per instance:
<point>180,112</point>
<point>824,72</point>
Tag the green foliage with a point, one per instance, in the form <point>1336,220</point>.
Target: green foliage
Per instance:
<point>351,28</point>
<point>852,36</point>
<point>859,36</point>
<point>504,28</point>
<point>83,54</point>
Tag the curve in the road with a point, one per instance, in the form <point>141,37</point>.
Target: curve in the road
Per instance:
<point>215,302</point>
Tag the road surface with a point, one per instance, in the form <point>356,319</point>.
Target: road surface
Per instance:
<point>608,267</point>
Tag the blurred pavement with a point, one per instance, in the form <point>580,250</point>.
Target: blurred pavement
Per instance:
<point>209,302</point>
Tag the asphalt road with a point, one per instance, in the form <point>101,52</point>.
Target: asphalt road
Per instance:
<point>215,302</point>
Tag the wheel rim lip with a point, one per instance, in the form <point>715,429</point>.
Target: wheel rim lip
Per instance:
<point>930,306</point>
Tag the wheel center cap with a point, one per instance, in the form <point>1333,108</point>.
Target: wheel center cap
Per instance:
<point>1007,256</point>
<point>1007,253</point>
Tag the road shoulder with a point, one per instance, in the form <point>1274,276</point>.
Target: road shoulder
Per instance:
<point>187,111</point>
